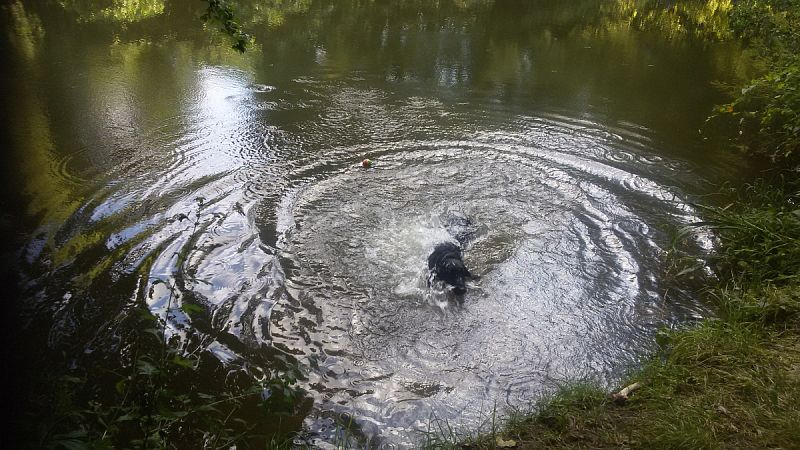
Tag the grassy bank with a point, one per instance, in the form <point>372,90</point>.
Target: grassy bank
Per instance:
<point>732,381</point>
<point>722,384</point>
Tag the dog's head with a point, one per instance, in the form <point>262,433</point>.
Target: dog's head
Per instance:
<point>453,272</point>
<point>446,265</point>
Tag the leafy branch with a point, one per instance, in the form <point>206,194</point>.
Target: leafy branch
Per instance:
<point>221,12</point>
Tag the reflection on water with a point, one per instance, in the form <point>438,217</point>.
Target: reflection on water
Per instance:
<point>569,285</point>
<point>165,171</point>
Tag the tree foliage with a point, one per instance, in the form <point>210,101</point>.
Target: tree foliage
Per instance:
<point>767,110</point>
<point>221,12</point>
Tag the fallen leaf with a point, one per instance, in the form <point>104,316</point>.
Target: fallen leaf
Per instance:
<point>505,443</point>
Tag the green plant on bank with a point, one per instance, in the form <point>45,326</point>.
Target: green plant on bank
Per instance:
<point>767,114</point>
<point>758,236</point>
<point>760,241</point>
<point>157,402</point>
<point>767,110</point>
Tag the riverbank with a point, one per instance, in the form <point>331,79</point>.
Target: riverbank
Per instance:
<point>732,382</point>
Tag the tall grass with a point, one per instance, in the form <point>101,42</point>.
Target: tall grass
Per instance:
<point>759,235</point>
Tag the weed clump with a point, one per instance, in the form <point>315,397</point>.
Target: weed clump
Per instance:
<point>759,234</point>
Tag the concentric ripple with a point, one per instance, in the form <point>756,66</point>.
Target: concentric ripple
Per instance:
<point>253,207</point>
<point>568,265</point>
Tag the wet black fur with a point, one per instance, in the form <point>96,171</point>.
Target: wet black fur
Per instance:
<point>447,265</point>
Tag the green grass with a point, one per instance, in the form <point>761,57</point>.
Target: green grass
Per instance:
<point>760,242</point>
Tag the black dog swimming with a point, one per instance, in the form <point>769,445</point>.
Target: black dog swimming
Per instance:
<point>446,262</point>
<point>447,265</point>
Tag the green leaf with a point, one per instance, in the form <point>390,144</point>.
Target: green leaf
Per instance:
<point>71,444</point>
<point>154,332</point>
<point>207,408</point>
<point>685,271</point>
<point>120,386</point>
<point>505,443</point>
<point>191,308</point>
<point>145,368</point>
<point>70,379</point>
<point>183,362</point>
<point>74,440</point>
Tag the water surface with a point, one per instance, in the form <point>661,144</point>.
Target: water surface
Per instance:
<point>149,155</point>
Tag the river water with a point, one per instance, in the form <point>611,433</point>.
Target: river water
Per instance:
<point>157,167</point>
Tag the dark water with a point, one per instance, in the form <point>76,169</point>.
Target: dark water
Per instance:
<point>146,154</point>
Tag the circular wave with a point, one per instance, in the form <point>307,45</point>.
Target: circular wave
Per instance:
<point>569,271</point>
<point>289,247</point>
